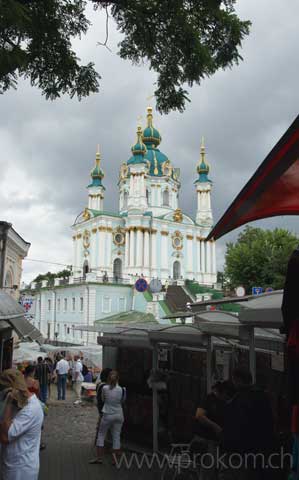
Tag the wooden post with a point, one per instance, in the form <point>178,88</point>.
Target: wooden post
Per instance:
<point>155,403</point>
<point>252,357</point>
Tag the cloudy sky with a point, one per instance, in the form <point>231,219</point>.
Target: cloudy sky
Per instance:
<point>48,148</point>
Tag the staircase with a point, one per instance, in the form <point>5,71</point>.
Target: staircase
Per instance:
<point>177,298</point>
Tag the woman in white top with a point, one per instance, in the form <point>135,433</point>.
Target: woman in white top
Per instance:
<point>112,419</point>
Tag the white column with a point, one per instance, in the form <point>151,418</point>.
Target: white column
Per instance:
<point>214,267</point>
<point>79,259</point>
<point>93,248</point>
<point>159,200</point>
<point>208,250</point>
<point>132,248</point>
<point>203,256</point>
<point>127,249</point>
<point>74,255</point>
<point>189,253</point>
<point>198,266</point>
<point>108,248</point>
<point>154,252</point>
<point>139,248</point>
<point>146,250</point>
<point>164,253</point>
<point>101,248</point>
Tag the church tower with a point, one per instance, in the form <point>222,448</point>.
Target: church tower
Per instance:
<point>95,188</point>
<point>203,185</point>
<point>137,164</point>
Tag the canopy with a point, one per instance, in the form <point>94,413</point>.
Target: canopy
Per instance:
<point>271,191</point>
<point>27,352</point>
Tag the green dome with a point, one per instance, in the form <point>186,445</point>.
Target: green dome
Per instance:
<point>96,173</point>
<point>151,136</point>
<point>203,168</point>
<point>138,150</point>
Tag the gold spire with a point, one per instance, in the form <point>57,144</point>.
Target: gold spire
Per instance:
<point>139,134</point>
<point>149,116</point>
<point>203,150</point>
<point>98,156</point>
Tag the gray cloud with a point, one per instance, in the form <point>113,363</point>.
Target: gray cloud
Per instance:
<point>48,148</point>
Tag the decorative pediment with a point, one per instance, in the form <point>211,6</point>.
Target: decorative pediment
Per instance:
<point>179,217</point>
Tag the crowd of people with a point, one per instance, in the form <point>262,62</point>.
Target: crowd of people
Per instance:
<point>23,398</point>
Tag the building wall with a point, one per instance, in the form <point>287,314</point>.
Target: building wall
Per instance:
<point>61,309</point>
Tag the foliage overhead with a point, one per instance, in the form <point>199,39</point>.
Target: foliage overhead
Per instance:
<point>259,258</point>
<point>183,41</point>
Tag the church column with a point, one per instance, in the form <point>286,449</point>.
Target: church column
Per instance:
<point>189,254</point>
<point>101,248</point>
<point>154,253</point>
<point>203,256</point>
<point>208,251</point>
<point>159,199</point>
<point>127,249</point>
<point>198,264</point>
<point>132,248</point>
<point>146,250</point>
<point>139,247</point>
<point>93,248</point>
<point>74,269</point>
<point>108,248</point>
<point>79,259</point>
<point>214,267</point>
<point>164,253</point>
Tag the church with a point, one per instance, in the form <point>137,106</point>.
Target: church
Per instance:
<point>149,236</point>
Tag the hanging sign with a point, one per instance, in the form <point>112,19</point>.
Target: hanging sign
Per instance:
<point>141,285</point>
<point>155,285</point>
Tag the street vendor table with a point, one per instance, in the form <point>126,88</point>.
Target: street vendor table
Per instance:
<point>88,390</point>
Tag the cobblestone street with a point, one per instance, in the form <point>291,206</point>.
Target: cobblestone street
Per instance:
<point>69,433</point>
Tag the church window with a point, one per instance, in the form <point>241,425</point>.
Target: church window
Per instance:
<point>117,270</point>
<point>147,196</point>
<point>74,303</point>
<point>176,270</point>
<point>49,305</point>
<point>65,329</point>
<point>166,198</point>
<point>119,238</point>
<point>85,269</point>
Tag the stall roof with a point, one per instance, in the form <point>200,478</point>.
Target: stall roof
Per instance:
<point>13,313</point>
<point>127,318</point>
<point>271,191</point>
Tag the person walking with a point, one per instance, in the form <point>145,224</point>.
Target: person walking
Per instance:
<point>113,397</point>
<point>62,369</point>
<point>20,428</point>
<point>42,373</point>
<point>78,378</point>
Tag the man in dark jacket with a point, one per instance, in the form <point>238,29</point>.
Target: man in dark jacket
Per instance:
<point>248,430</point>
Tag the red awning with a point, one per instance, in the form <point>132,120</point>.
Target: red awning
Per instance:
<point>272,190</point>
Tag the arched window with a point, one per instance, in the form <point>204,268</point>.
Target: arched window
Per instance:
<point>147,196</point>
<point>125,201</point>
<point>85,269</point>
<point>166,198</point>
<point>176,270</point>
<point>117,269</point>
<point>9,279</point>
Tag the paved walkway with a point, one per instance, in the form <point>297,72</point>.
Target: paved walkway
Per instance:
<point>69,432</point>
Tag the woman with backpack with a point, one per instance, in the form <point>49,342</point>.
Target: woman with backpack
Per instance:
<point>112,418</point>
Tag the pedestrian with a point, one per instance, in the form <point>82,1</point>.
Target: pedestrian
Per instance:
<point>42,374</point>
<point>103,378</point>
<point>31,382</point>
<point>78,378</point>
<point>62,368</point>
<point>248,430</point>
<point>113,397</point>
<point>20,428</point>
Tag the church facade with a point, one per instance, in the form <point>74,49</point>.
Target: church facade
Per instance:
<point>149,236</point>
